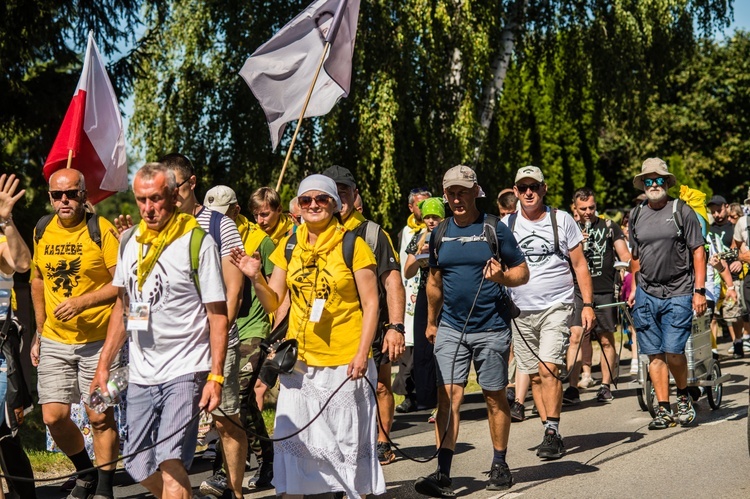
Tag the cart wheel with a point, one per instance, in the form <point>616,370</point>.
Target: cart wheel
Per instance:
<point>715,392</point>
<point>650,394</point>
<point>640,394</point>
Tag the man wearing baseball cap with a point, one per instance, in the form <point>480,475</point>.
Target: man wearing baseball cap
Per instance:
<point>466,293</point>
<point>551,242</point>
<point>669,267</point>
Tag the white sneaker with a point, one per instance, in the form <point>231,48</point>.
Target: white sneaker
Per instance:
<point>586,382</point>
<point>634,368</point>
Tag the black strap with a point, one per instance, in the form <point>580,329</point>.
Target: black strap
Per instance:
<point>347,247</point>
<point>92,224</point>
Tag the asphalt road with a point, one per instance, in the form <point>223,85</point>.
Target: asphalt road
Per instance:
<point>611,452</point>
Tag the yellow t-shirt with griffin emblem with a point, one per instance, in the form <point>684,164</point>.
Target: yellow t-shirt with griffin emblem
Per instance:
<point>71,264</point>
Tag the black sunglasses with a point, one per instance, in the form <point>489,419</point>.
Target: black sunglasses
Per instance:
<point>534,187</point>
<point>321,200</point>
<point>72,194</point>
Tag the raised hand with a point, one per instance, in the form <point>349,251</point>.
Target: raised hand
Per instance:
<point>249,265</point>
<point>8,186</point>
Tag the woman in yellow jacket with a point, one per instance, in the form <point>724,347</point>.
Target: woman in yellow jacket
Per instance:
<point>337,452</point>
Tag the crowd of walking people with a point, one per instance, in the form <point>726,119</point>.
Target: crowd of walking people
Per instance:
<point>212,310</point>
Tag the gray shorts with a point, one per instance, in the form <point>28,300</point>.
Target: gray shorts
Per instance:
<point>490,351</point>
<point>65,371</point>
<point>230,392</point>
<point>547,333</point>
<point>156,412</point>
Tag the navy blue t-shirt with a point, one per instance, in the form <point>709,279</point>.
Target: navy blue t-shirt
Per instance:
<point>463,254</point>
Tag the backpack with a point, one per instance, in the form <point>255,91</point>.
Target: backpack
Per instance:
<point>196,240</point>
<point>555,231</point>
<point>489,231</point>
<point>347,247</point>
<point>92,223</point>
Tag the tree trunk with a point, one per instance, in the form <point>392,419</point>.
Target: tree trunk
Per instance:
<point>499,70</point>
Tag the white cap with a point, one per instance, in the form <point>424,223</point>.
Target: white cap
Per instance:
<point>220,198</point>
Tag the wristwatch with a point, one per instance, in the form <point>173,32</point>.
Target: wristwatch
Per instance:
<point>700,291</point>
<point>216,377</point>
<point>398,327</point>
<point>590,305</point>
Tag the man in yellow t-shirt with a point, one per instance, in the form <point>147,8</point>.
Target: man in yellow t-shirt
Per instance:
<point>73,297</point>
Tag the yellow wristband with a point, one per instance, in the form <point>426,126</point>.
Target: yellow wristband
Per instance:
<point>216,377</point>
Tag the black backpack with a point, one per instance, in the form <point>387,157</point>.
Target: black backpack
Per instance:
<point>92,223</point>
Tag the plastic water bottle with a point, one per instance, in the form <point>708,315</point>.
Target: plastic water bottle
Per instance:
<point>118,381</point>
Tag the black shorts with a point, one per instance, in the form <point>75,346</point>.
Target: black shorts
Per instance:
<point>378,356</point>
<point>606,318</point>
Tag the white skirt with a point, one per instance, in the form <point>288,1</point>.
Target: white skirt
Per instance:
<point>338,451</point>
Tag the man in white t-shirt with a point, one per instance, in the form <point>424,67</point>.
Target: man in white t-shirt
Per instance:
<point>177,350</point>
<point>541,333</point>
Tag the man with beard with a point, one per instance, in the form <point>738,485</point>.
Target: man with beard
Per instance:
<point>669,265</point>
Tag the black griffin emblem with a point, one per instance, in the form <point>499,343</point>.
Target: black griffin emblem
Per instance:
<point>64,275</point>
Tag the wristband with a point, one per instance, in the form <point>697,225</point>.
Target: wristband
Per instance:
<point>216,377</point>
<point>590,305</point>
<point>397,327</point>
<point>6,221</point>
<point>700,291</point>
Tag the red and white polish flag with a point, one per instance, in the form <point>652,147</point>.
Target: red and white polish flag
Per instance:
<point>93,130</point>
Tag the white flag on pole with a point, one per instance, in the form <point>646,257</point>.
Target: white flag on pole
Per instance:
<point>281,71</point>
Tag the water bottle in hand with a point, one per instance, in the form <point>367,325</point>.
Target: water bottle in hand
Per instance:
<point>118,381</point>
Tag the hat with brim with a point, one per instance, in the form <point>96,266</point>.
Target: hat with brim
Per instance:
<point>657,166</point>
<point>220,198</point>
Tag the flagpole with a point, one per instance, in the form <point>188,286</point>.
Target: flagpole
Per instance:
<point>302,115</point>
<point>70,158</point>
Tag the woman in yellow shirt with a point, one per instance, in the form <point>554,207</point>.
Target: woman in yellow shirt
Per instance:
<point>333,316</point>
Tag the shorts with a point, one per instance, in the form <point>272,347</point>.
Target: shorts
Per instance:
<point>249,354</point>
<point>663,324</point>
<point>544,333</point>
<point>230,391</point>
<point>65,371</point>
<point>488,349</point>
<point>606,318</point>
<point>378,356</point>
<point>154,413</point>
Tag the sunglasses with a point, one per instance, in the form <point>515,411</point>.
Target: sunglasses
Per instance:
<point>72,194</point>
<point>534,187</point>
<point>660,181</point>
<point>183,182</point>
<point>321,200</point>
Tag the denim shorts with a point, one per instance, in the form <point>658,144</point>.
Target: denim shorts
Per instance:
<point>663,324</point>
<point>488,349</point>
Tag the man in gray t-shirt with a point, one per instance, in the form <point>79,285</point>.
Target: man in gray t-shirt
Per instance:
<point>669,264</point>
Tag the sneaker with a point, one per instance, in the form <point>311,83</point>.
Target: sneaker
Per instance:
<point>633,368</point>
<point>586,382</point>
<point>552,446</point>
<point>83,489</point>
<point>263,476</point>
<point>436,484</point>
<point>68,484</point>
<point>510,394</point>
<point>500,477</point>
<point>433,416</point>
<point>517,412</point>
<point>385,454</point>
<point>214,485</point>
<point>604,394</point>
<point>685,410</point>
<point>662,420</point>
<point>408,405</point>
<point>571,396</point>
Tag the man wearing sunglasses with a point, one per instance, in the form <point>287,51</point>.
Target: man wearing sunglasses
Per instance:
<point>551,242</point>
<point>73,296</point>
<point>669,267</point>
<point>389,342</point>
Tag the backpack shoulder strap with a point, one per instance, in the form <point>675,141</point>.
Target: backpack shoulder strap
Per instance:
<point>555,234</point>
<point>677,205</point>
<point>372,231</point>
<point>290,244</point>
<point>125,237</point>
<point>95,232</point>
<point>347,248</point>
<point>41,226</point>
<point>196,240</point>
<point>512,221</point>
<point>439,231</point>
<point>489,230</point>
<point>214,226</point>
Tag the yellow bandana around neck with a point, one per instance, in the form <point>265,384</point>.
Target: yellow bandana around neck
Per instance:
<point>326,242</point>
<point>413,225</point>
<point>179,225</point>
<point>355,220</point>
<point>250,233</point>
<point>283,227</point>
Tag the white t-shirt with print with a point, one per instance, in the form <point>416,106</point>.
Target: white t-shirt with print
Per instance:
<point>550,276</point>
<point>177,340</point>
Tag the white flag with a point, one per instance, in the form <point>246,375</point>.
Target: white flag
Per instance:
<point>281,71</point>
